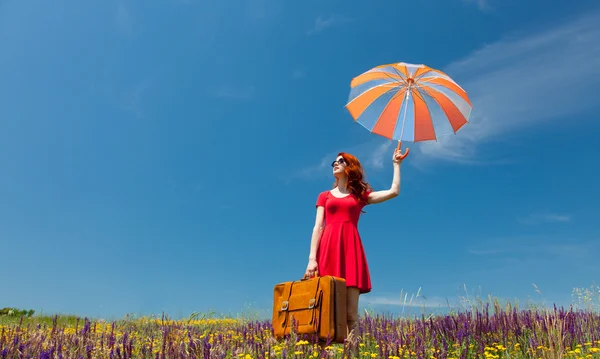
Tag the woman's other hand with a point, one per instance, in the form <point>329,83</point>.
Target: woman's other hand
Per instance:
<point>399,157</point>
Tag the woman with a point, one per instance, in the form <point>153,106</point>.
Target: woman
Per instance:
<point>336,248</point>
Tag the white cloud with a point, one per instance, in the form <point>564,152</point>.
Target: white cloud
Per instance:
<point>321,24</point>
<point>405,301</point>
<point>124,20</point>
<point>259,12</point>
<point>234,92</point>
<point>516,84</point>
<point>371,154</point>
<point>544,217</point>
<point>564,249</point>
<point>298,74</point>
<point>132,99</point>
<point>378,155</point>
<point>310,172</point>
<point>483,5</point>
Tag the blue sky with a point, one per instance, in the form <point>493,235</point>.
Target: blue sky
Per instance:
<point>167,155</point>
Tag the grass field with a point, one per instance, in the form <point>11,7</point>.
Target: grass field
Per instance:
<point>489,330</point>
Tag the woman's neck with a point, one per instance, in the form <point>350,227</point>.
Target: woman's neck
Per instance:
<point>342,184</point>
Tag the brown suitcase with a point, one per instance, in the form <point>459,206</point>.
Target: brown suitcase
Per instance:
<point>317,304</point>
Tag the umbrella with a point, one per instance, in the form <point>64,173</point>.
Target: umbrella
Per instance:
<point>408,102</point>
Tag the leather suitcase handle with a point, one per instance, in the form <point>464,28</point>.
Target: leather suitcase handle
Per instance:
<point>305,277</point>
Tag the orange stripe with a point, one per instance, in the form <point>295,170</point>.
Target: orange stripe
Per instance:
<point>389,117</point>
<point>449,84</point>
<point>370,76</point>
<point>365,99</point>
<point>403,70</point>
<point>456,118</point>
<point>421,71</point>
<point>423,125</point>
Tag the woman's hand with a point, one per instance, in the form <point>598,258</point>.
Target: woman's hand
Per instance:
<point>311,268</point>
<point>399,157</point>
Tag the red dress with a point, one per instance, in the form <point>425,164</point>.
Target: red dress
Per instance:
<point>340,252</point>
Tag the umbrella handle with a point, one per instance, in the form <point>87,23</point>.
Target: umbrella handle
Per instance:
<point>399,145</point>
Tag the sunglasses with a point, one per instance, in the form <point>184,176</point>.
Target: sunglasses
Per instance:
<point>340,161</point>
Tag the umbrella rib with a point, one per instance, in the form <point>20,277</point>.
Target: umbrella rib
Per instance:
<point>393,79</point>
<point>400,76</point>
<point>418,93</point>
<point>423,74</point>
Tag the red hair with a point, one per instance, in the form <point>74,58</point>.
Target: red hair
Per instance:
<point>356,183</point>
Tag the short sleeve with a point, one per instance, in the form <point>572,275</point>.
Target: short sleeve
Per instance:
<point>321,199</point>
<point>365,197</point>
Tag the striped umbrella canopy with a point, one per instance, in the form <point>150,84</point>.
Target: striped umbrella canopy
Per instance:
<point>408,102</point>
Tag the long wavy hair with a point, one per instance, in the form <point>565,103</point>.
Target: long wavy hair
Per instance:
<point>356,178</point>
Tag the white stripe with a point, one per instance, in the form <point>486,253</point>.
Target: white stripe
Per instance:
<point>462,105</point>
<point>409,125</point>
<point>382,85</point>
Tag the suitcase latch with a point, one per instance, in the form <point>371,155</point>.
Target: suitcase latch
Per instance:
<point>311,303</point>
<point>284,305</point>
